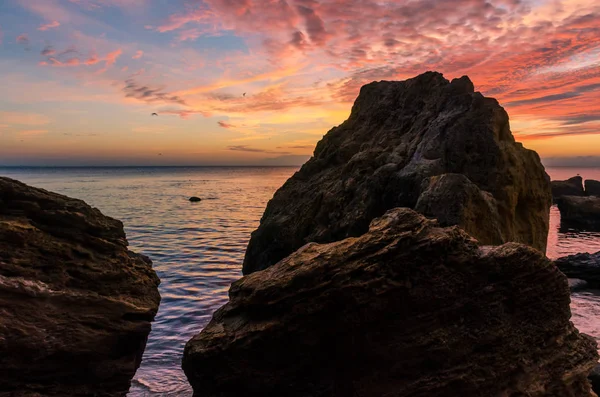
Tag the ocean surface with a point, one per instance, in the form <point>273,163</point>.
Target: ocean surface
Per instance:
<point>198,248</point>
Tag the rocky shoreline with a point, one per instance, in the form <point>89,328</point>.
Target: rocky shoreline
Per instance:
<point>76,304</point>
<point>405,258</point>
<point>407,306</point>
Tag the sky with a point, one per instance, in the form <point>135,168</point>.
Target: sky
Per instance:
<point>259,82</point>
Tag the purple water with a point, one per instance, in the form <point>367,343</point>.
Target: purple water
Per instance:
<point>197,249</point>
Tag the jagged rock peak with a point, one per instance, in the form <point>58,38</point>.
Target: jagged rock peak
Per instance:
<point>400,138</point>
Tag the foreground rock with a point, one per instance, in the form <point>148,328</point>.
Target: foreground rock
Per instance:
<point>76,304</point>
<point>423,143</point>
<point>406,309</point>
<point>581,266</point>
<point>570,187</point>
<point>580,212</point>
<point>592,187</point>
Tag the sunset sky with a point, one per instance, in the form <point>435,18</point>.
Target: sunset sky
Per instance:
<point>79,79</point>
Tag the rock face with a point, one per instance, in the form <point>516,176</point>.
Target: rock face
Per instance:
<point>407,309</point>
<point>570,187</point>
<point>76,304</point>
<point>582,266</point>
<point>423,143</point>
<point>592,187</point>
<point>580,212</point>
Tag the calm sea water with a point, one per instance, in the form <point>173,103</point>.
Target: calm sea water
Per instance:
<point>198,248</point>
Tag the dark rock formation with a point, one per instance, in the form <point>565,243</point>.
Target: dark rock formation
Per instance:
<point>406,309</point>
<point>592,187</point>
<point>195,199</point>
<point>422,143</point>
<point>595,379</point>
<point>576,284</point>
<point>76,304</point>
<point>580,212</point>
<point>583,266</point>
<point>570,187</point>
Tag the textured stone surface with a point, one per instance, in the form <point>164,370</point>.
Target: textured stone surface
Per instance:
<point>399,135</point>
<point>76,305</point>
<point>582,266</point>
<point>580,212</point>
<point>570,187</point>
<point>406,309</point>
<point>592,187</point>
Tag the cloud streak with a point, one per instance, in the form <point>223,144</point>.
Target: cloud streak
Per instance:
<point>50,25</point>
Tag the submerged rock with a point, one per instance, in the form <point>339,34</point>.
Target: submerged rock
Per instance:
<point>592,187</point>
<point>76,304</point>
<point>423,143</point>
<point>570,187</point>
<point>580,212</point>
<point>407,309</point>
<point>582,266</point>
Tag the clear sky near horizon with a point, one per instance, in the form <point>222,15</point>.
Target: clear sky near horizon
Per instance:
<point>79,79</point>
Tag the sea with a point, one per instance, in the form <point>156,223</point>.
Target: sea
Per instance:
<point>197,249</point>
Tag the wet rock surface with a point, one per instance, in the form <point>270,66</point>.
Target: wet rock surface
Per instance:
<point>580,212</point>
<point>76,304</point>
<point>592,187</point>
<point>570,187</point>
<point>412,143</point>
<point>409,308</point>
<point>582,266</point>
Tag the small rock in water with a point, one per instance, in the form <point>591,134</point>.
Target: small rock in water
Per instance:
<point>576,284</point>
<point>592,187</point>
<point>195,199</point>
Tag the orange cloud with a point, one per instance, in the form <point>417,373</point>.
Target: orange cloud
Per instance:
<point>138,55</point>
<point>24,118</point>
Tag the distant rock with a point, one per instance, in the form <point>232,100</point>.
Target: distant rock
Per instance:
<point>582,266</point>
<point>195,199</point>
<point>412,143</point>
<point>76,304</point>
<point>570,187</point>
<point>576,284</point>
<point>580,212</point>
<point>592,187</point>
<point>407,309</point>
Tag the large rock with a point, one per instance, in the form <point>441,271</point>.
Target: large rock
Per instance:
<point>416,143</point>
<point>76,304</point>
<point>407,309</point>
<point>592,187</point>
<point>570,187</point>
<point>580,212</point>
<point>582,266</point>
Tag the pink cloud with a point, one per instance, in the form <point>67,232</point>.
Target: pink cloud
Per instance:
<point>51,25</point>
<point>112,57</point>
<point>138,54</point>
<point>92,60</point>
<point>48,51</point>
<point>176,21</point>
<point>23,39</point>
<point>60,61</point>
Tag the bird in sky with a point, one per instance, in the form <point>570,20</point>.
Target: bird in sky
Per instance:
<point>160,154</point>
<point>154,114</point>
<point>244,94</point>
